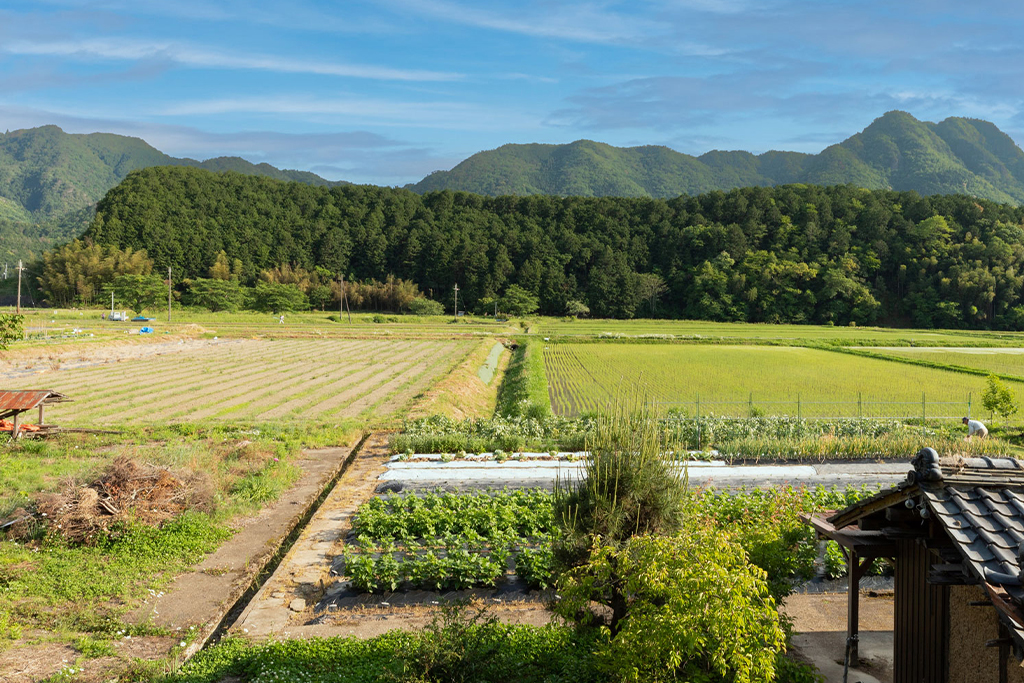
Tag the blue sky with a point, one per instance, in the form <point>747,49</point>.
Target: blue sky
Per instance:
<point>385,92</point>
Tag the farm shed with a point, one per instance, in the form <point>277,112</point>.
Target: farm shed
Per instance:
<point>955,532</point>
<point>14,403</point>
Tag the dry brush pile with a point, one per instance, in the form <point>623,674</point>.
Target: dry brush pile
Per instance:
<point>126,492</point>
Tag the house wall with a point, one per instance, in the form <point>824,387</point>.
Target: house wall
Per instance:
<point>970,627</point>
<point>921,618</point>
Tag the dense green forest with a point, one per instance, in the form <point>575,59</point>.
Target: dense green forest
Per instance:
<point>896,151</point>
<point>793,253</point>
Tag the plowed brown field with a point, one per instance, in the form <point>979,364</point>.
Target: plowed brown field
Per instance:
<point>250,380</point>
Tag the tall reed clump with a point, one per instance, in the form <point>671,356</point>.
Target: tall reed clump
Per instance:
<point>627,487</point>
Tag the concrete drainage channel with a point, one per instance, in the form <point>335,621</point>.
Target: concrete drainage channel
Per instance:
<point>268,569</point>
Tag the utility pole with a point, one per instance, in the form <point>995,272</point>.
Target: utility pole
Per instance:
<point>343,302</point>
<point>168,294</point>
<point>18,305</point>
<point>456,302</point>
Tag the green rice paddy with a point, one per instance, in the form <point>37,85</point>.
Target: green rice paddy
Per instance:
<point>745,380</point>
<point>1009,361</point>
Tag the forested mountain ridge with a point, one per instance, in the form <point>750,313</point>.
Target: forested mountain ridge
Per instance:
<point>49,181</point>
<point>897,151</point>
<point>792,253</point>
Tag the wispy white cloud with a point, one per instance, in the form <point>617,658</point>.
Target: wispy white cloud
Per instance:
<point>197,57</point>
<point>294,14</point>
<point>582,22</point>
<point>428,114</point>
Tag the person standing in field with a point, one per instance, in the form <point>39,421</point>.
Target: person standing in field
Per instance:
<point>975,428</point>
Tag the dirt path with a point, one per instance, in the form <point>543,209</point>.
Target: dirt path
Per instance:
<point>819,623</point>
<point>285,601</point>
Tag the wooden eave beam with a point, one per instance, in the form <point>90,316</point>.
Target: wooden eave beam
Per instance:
<point>848,517</point>
<point>866,544</point>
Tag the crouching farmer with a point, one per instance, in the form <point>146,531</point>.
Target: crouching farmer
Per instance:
<point>975,428</point>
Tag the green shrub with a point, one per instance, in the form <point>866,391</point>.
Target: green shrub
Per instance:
<point>695,609</point>
<point>425,306</point>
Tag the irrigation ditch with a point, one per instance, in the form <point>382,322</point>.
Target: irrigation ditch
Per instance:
<point>264,572</point>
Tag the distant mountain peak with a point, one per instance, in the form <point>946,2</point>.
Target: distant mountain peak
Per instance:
<point>896,150</point>
<point>48,174</point>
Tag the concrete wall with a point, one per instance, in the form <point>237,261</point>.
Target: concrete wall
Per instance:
<point>970,627</point>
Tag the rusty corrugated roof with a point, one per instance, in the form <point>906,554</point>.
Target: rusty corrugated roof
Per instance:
<point>26,400</point>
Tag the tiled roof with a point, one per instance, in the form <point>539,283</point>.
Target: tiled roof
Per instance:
<point>987,527</point>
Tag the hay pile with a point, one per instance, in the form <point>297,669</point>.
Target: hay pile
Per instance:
<point>127,492</point>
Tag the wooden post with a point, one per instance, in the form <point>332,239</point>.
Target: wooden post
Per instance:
<point>698,422</point>
<point>456,302</point>
<point>41,414</point>
<point>924,413</point>
<point>168,294</point>
<point>856,568</point>
<point>343,303</point>
<point>17,426</point>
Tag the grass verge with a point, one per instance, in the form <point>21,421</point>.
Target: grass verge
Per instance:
<point>524,390</point>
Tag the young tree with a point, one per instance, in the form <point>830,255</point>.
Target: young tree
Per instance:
<point>627,489</point>
<point>273,297</point>
<point>998,399</point>
<point>518,302</point>
<point>576,308</point>
<point>10,329</point>
<point>216,294</point>
<point>138,292</point>
<point>320,296</point>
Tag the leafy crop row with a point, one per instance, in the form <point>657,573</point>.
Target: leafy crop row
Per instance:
<point>440,434</point>
<point>776,438</point>
<point>406,518</point>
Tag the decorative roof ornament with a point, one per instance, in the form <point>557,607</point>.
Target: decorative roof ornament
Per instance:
<point>926,467</point>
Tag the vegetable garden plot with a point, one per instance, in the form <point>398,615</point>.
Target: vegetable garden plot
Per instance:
<point>741,380</point>
<point>250,379</point>
<point>442,542</point>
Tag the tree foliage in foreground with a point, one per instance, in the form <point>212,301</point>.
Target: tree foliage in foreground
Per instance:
<point>697,610</point>
<point>794,253</point>
<point>678,598</point>
<point>11,329</point>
